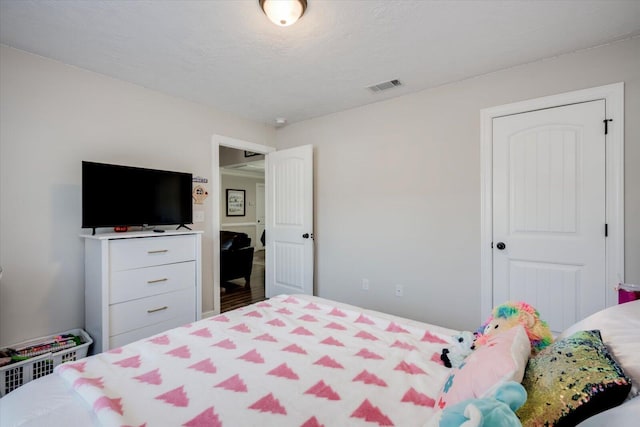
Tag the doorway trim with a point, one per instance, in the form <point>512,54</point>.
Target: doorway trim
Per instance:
<point>216,142</point>
<point>613,95</point>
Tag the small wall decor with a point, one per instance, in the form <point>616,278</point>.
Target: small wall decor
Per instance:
<point>199,194</point>
<point>235,202</point>
<point>250,153</point>
<point>200,179</point>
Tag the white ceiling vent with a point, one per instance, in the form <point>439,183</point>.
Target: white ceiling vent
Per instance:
<point>384,86</point>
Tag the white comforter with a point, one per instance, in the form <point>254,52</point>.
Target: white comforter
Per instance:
<point>291,361</point>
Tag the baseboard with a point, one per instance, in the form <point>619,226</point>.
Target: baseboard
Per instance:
<point>208,314</point>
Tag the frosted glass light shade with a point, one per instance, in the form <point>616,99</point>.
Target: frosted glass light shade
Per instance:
<point>283,12</point>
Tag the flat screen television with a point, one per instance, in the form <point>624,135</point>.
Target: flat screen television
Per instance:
<point>114,195</point>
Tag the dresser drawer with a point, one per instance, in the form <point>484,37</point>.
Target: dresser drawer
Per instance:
<point>127,254</point>
<point>143,282</point>
<point>139,313</point>
<point>138,334</point>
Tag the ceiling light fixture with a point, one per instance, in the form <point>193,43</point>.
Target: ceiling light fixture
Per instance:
<point>283,12</point>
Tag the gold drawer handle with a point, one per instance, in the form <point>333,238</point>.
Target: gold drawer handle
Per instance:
<point>159,251</point>
<point>157,309</point>
<point>157,280</point>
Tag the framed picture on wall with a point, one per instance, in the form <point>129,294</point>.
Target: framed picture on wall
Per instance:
<point>235,202</point>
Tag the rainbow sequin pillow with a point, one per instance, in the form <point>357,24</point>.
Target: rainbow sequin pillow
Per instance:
<point>571,380</point>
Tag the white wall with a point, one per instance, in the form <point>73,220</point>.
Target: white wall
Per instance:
<point>397,182</point>
<point>52,116</point>
<point>397,191</point>
<point>232,156</point>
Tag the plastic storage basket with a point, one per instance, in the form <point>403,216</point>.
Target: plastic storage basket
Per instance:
<point>16,374</point>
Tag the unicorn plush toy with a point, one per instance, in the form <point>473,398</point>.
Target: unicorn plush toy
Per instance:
<point>510,314</point>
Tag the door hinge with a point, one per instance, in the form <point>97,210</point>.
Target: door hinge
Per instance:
<point>606,125</point>
<point>606,230</point>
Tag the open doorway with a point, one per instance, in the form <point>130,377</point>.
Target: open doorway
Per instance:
<point>218,141</point>
<point>289,261</point>
<point>242,234</point>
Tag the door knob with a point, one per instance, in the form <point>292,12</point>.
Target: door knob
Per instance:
<point>501,246</point>
<point>305,236</point>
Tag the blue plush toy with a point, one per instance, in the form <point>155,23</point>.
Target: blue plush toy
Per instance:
<point>495,411</point>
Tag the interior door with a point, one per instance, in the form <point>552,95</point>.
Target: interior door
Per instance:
<point>260,217</point>
<point>289,221</point>
<point>549,211</point>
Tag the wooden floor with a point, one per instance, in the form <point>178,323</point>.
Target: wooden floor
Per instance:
<point>236,294</point>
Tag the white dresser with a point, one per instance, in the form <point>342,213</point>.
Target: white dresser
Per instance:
<point>140,283</point>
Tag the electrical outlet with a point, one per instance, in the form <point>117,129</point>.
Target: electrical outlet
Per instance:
<point>198,216</point>
<point>365,284</point>
<point>399,290</point>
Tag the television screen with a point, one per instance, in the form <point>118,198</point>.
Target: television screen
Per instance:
<point>114,195</point>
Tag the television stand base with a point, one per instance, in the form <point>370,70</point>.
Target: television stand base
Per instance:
<point>181,226</point>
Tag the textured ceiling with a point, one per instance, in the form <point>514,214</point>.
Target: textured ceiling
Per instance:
<point>228,55</point>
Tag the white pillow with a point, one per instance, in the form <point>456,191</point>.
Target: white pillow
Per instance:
<point>620,329</point>
<point>626,414</point>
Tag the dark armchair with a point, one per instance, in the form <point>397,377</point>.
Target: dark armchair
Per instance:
<point>236,256</point>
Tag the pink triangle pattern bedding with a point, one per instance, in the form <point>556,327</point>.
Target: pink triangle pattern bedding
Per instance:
<point>288,361</point>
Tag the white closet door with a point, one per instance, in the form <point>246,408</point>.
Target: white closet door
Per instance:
<point>549,211</point>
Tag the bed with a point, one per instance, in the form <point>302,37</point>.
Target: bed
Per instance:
<point>289,361</point>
